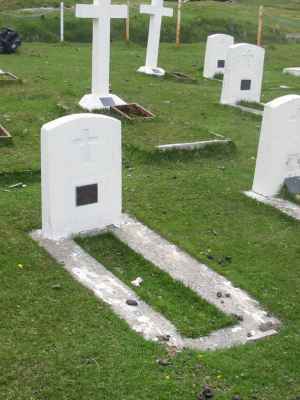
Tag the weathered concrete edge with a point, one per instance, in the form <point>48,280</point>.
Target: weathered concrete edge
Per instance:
<point>285,206</point>
<point>193,145</point>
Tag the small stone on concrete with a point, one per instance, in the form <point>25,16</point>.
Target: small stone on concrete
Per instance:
<point>131,302</point>
<point>164,338</point>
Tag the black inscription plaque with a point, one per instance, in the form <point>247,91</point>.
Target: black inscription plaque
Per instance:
<point>87,194</point>
<point>245,84</point>
<point>107,101</point>
<point>221,63</point>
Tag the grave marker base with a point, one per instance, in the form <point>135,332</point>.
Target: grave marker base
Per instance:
<point>132,111</point>
<point>92,102</point>
<point>285,206</point>
<point>156,71</point>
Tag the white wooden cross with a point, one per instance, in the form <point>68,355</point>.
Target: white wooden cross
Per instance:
<point>85,140</point>
<point>102,11</point>
<point>156,11</point>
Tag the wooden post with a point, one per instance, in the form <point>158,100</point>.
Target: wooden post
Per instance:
<point>178,25</point>
<point>127,24</point>
<point>62,22</point>
<point>260,25</point>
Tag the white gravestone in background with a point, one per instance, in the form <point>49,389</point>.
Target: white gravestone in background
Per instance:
<point>215,54</point>
<point>156,11</point>
<point>101,12</point>
<point>81,174</point>
<point>243,74</point>
<point>279,146</point>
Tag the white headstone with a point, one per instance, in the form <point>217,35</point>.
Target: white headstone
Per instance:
<point>156,11</point>
<point>102,11</point>
<point>215,54</point>
<point>279,146</point>
<point>81,174</point>
<point>243,74</point>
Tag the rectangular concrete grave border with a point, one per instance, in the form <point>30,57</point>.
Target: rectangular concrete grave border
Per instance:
<point>284,206</point>
<point>132,111</point>
<point>4,134</point>
<point>253,322</point>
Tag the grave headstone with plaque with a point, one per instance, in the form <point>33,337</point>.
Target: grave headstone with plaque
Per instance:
<point>243,74</point>
<point>215,54</point>
<point>278,155</point>
<point>81,175</point>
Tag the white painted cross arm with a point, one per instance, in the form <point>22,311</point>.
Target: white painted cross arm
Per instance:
<point>156,10</point>
<point>101,10</point>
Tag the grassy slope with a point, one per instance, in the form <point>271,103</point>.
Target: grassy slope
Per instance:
<point>62,343</point>
<point>199,18</point>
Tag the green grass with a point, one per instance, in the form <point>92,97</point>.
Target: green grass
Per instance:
<point>63,343</point>
<point>192,316</point>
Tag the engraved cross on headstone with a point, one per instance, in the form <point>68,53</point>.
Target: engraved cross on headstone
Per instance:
<point>85,141</point>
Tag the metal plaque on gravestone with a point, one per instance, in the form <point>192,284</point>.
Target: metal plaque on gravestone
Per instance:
<point>292,184</point>
<point>245,84</point>
<point>221,64</point>
<point>107,101</point>
<point>87,194</point>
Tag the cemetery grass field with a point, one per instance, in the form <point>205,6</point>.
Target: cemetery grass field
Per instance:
<point>56,340</point>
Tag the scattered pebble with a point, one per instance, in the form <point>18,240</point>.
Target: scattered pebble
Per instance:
<point>164,338</point>
<point>163,362</point>
<point>131,302</point>
<point>56,286</point>
<point>137,282</point>
<point>207,393</point>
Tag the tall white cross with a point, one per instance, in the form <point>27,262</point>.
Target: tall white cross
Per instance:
<point>101,12</point>
<point>156,11</point>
